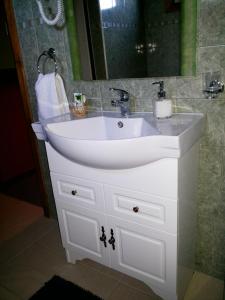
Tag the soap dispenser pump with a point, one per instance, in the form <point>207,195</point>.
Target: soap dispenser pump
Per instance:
<point>161,92</point>
<point>163,106</point>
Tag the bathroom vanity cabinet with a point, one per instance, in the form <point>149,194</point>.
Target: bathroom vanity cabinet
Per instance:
<point>139,221</point>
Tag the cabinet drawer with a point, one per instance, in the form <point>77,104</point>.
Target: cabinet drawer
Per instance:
<point>77,191</point>
<point>141,208</point>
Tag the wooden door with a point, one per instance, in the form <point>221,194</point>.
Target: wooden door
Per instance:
<point>14,38</point>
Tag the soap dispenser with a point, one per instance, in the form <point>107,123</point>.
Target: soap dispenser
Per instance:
<point>162,106</point>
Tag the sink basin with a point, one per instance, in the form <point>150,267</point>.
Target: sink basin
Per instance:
<point>111,142</point>
<point>103,128</point>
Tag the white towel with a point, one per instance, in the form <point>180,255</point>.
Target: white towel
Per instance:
<point>51,96</point>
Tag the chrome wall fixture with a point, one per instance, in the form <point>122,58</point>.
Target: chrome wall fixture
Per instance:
<point>213,84</point>
<point>214,88</point>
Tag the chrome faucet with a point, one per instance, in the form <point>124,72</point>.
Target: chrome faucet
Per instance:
<point>122,102</point>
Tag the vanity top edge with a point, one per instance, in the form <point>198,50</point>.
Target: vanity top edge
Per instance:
<point>148,116</point>
<point>176,126</point>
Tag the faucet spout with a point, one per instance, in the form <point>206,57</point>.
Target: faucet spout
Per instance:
<point>124,95</point>
<point>122,102</point>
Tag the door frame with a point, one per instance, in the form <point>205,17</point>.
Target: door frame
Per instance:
<point>14,38</point>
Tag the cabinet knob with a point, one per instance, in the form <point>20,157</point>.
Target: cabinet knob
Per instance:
<point>73,192</point>
<point>135,209</point>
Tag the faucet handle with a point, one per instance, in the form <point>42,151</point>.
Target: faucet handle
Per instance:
<point>161,83</point>
<point>124,95</point>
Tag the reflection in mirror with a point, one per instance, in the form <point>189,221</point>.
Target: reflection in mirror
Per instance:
<point>140,37</point>
<point>135,38</point>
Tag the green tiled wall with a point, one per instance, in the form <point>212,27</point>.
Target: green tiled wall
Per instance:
<point>186,93</point>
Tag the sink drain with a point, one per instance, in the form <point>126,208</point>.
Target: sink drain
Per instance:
<point>120,124</point>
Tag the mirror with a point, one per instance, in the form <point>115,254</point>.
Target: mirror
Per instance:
<point>134,38</point>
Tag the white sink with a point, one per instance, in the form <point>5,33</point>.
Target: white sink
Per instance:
<point>101,142</point>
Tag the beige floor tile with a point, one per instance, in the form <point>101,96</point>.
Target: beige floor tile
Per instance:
<point>41,259</point>
<point>22,281</point>
<point>203,287</point>
<point>103,269</point>
<point>137,284</point>
<point>76,274</point>
<point>25,239</point>
<point>16,215</point>
<point>123,278</point>
<point>125,292</point>
<point>52,241</point>
<point>27,271</point>
<point>92,280</point>
<point>6,294</point>
<point>93,264</point>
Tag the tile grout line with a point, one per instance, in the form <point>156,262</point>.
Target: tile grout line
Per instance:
<point>10,291</point>
<point>137,289</point>
<point>120,280</point>
<point>116,286</point>
<point>27,247</point>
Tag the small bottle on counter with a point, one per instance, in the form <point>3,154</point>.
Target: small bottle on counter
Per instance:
<point>78,106</point>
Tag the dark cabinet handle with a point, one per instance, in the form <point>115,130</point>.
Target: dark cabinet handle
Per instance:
<point>112,240</point>
<point>74,192</point>
<point>103,237</point>
<point>136,209</point>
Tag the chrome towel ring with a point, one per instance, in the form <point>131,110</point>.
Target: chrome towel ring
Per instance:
<point>50,53</point>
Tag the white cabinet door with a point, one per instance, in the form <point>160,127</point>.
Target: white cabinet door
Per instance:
<point>81,230</point>
<point>144,253</point>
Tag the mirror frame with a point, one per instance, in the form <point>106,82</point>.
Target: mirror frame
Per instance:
<point>188,38</point>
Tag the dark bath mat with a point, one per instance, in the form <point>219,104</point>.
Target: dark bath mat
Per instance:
<point>59,288</point>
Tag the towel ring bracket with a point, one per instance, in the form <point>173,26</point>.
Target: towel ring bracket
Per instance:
<point>50,53</point>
